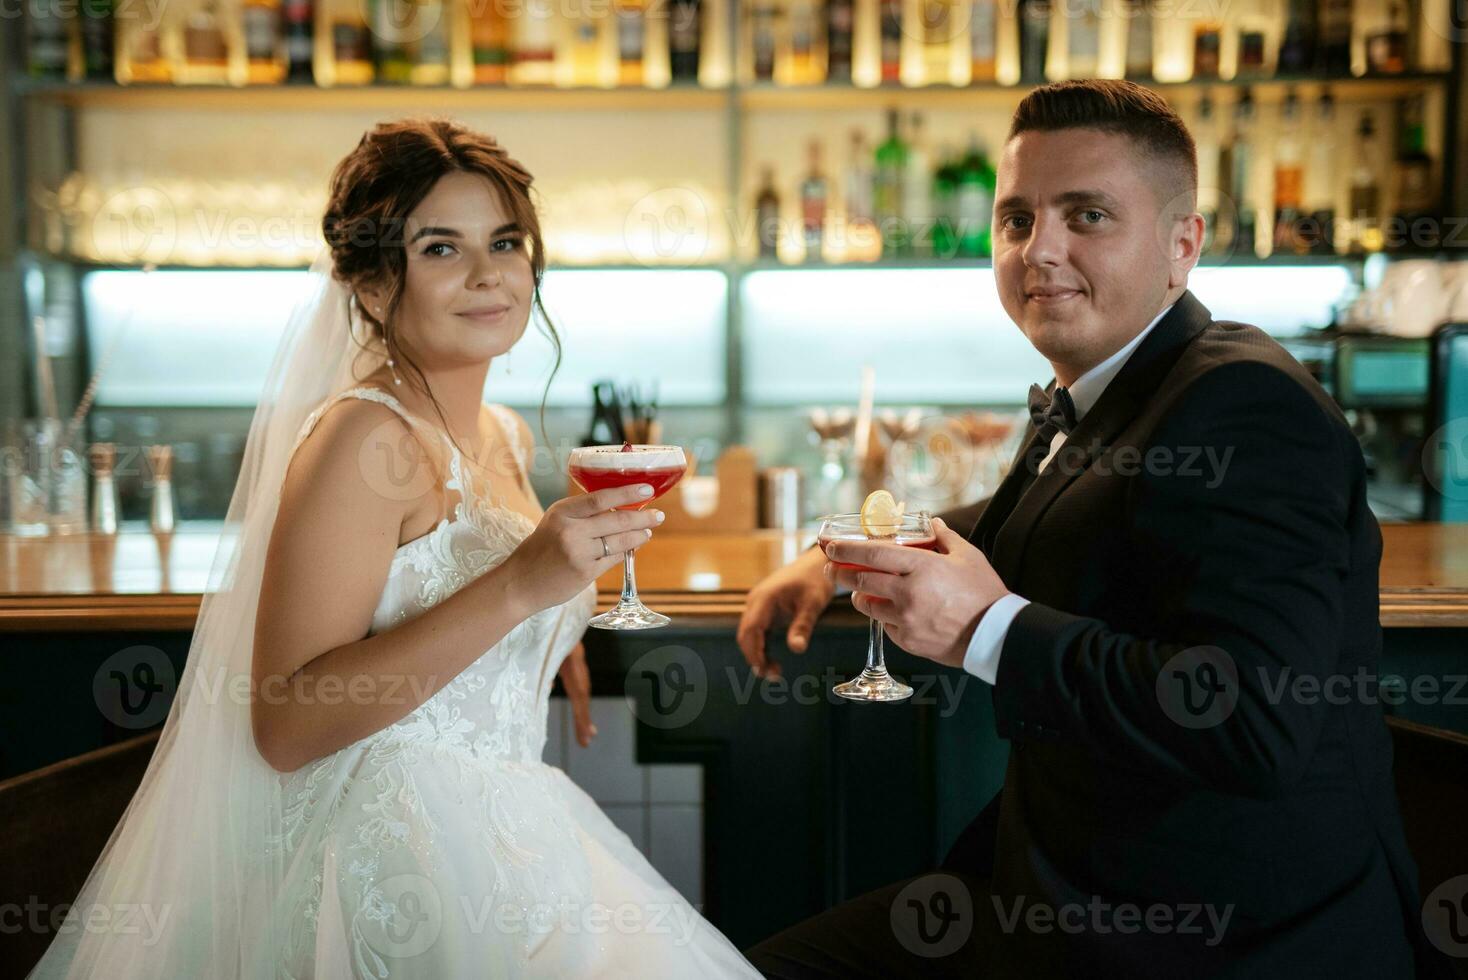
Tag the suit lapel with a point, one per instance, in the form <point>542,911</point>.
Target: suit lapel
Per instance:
<point>1117,406</point>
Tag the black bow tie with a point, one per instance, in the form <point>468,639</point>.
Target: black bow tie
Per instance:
<point>1052,414</point>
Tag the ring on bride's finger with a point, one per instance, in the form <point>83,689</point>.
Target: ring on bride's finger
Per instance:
<point>605,551</point>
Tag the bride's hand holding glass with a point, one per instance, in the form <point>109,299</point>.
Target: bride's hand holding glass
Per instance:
<point>577,540</point>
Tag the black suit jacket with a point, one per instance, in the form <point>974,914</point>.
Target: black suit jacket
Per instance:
<point>1202,538</point>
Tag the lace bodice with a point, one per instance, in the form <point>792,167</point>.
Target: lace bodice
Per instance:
<point>497,706</point>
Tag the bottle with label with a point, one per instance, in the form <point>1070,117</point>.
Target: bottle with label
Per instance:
<point>140,48</point>
<point>1252,41</point>
<point>1236,221</point>
<point>392,27</point>
<point>1034,40</point>
<point>533,44</point>
<point>1365,233</point>
<point>1320,181</point>
<point>296,16</point>
<point>488,33</point>
<point>207,46</point>
<point>859,240</point>
<point>1207,48</point>
<point>266,60</point>
<point>1297,47</point>
<point>801,48</point>
<point>975,201</point>
<point>813,199</point>
<point>1289,184</point>
<point>343,44</point>
<point>685,36</point>
<point>917,187</point>
<point>1083,45</point>
<point>1333,55</point>
<point>840,32</point>
<point>1205,137</point>
<point>762,29</point>
<point>887,188</point>
<point>631,18</point>
<point>47,41</point>
<point>890,32</point>
<point>983,40</point>
<point>585,56</point>
<point>1386,49</point>
<point>767,214</point>
<point>1417,222</point>
<point>941,58</point>
<point>1139,40</point>
<point>98,43</point>
<point>430,51</point>
<point>944,195</point>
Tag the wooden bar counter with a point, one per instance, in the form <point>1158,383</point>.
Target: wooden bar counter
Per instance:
<point>141,581</point>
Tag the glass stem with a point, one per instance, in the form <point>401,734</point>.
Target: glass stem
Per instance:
<point>629,582</point>
<point>876,662</point>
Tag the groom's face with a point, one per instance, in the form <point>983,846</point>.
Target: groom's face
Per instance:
<point>1083,257</point>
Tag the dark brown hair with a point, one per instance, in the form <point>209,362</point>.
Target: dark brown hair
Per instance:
<point>374,188</point>
<point>1114,106</point>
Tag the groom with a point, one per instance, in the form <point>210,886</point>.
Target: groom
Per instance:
<point>1182,539</point>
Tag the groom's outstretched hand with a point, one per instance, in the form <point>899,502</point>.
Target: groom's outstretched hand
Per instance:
<point>576,679</point>
<point>929,601</point>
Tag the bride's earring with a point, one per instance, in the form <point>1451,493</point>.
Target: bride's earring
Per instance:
<point>391,364</point>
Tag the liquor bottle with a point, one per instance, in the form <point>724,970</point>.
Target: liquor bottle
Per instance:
<point>489,43</point>
<point>533,44</point>
<point>685,28</point>
<point>140,49</point>
<point>1297,47</point>
<point>1207,48</point>
<point>944,196</point>
<point>887,187</point>
<point>1365,234</point>
<point>801,51</point>
<point>975,200</point>
<point>47,41</point>
<point>206,49</point>
<point>265,55</point>
<point>584,56</point>
<point>343,44</point>
<point>762,29</point>
<point>983,39</point>
<point>392,26</point>
<point>1083,47</point>
<point>890,12</point>
<point>859,241</point>
<point>1288,176</point>
<point>1333,57</point>
<point>941,59</point>
<point>430,52</point>
<point>1034,40</point>
<point>1139,41</point>
<point>297,16</point>
<point>631,18</point>
<point>1253,28</point>
<point>767,214</point>
<point>1320,181</point>
<point>1236,224</point>
<point>813,200</point>
<point>1416,223</point>
<point>840,30</point>
<point>1386,49</point>
<point>1205,136</point>
<point>97,40</point>
<point>917,187</point>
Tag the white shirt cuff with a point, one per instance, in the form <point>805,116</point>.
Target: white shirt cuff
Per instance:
<point>982,658</point>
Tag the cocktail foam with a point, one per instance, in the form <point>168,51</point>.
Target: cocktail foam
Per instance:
<point>640,458</point>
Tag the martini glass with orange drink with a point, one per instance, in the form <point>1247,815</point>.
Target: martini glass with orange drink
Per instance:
<point>599,467</point>
<point>881,519</point>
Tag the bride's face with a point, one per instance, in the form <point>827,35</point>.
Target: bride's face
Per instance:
<point>469,285</point>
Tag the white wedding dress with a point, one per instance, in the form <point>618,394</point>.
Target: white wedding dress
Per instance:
<point>442,846</point>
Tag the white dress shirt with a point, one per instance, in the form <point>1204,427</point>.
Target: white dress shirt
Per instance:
<point>982,658</point>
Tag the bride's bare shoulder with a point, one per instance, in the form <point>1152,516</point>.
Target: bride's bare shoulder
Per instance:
<point>360,450</point>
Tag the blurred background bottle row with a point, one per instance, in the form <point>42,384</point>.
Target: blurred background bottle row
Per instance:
<point>654,43</point>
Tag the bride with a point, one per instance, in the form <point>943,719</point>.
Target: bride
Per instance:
<point>349,782</point>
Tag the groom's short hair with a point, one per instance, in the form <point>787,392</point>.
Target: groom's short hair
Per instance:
<point>1125,108</point>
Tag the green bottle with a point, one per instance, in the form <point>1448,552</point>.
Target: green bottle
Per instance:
<point>945,203</point>
<point>887,191</point>
<point>975,201</point>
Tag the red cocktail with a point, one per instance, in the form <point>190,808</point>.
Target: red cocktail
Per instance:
<point>906,539</point>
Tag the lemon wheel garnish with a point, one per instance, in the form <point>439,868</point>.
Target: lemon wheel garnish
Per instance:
<point>881,514</point>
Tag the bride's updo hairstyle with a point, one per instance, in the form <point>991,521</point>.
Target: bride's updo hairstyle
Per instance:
<point>374,189</point>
